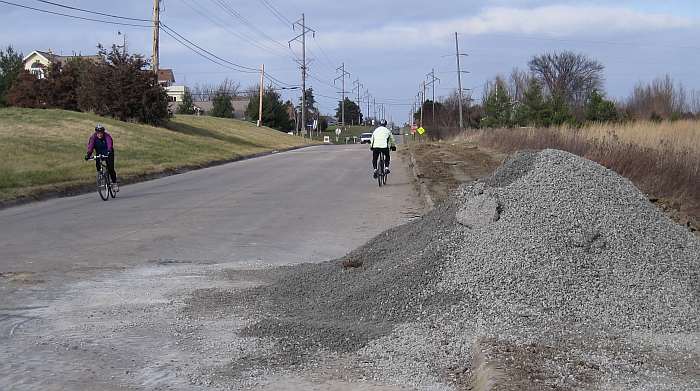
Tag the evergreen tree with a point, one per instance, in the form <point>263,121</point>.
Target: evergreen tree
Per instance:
<point>275,112</point>
<point>10,68</point>
<point>222,105</point>
<point>187,104</point>
<point>353,114</point>
<point>599,109</point>
<point>497,107</point>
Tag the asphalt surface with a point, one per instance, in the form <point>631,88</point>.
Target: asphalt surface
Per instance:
<point>309,205</point>
<point>92,292</point>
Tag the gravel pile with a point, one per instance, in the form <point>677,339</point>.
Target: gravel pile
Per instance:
<point>555,269</point>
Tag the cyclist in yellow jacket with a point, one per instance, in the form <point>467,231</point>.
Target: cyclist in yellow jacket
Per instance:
<point>382,141</point>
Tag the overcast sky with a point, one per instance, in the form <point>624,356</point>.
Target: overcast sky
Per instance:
<point>389,46</point>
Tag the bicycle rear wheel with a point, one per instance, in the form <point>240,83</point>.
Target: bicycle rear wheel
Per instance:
<point>102,188</point>
<point>380,171</point>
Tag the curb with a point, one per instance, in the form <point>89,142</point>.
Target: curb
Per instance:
<point>89,188</point>
<point>422,187</point>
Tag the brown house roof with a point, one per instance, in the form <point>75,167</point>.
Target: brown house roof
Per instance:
<point>166,75</point>
<point>63,59</point>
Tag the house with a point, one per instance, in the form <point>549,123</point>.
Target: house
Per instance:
<point>38,62</point>
<point>239,103</point>
<point>166,77</point>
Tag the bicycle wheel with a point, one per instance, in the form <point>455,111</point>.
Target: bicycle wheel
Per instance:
<point>380,171</point>
<point>111,188</point>
<point>102,189</point>
<point>384,177</point>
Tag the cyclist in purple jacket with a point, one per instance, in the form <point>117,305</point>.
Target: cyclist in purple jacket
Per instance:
<point>101,143</point>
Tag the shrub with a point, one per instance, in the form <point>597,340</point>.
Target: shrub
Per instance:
<point>222,106</point>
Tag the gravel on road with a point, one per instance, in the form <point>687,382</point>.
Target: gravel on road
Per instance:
<point>554,273</point>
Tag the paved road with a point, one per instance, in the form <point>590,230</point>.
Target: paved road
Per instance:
<point>311,204</point>
<point>94,295</point>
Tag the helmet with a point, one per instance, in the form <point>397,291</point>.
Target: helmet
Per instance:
<point>382,122</point>
<point>99,128</point>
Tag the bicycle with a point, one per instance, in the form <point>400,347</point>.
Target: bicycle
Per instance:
<point>381,171</point>
<point>104,182</point>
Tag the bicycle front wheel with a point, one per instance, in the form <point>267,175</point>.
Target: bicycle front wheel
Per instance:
<point>110,186</point>
<point>102,187</point>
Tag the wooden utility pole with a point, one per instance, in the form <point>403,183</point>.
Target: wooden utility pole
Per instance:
<point>156,34</point>
<point>302,37</point>
<point>260,105</point>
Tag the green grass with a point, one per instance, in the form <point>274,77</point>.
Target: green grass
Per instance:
<point>42,150</point>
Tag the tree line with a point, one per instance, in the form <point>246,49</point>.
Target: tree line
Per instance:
<point>560,88</point>
<point>118,85</point>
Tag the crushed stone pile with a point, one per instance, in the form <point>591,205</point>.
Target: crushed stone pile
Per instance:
<point>552,273</point>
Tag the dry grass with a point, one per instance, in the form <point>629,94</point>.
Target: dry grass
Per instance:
<point>662,159</point>
<point>679,134</point>
<point>42,150</point>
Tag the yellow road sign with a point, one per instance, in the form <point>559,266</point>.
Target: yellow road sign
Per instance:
<point>421,130</point>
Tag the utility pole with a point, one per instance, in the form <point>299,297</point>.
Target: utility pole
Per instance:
<point>432,81</point>
<point>302,23</point>
<point>156,34</point>
<point>260,105</point>
<point>123,46</point>
<point>374,108</point>
<point>422,103</point>
<point>343,73</point>
<point>367,95</point>
<point>356,85</point>
<point>459,83</point>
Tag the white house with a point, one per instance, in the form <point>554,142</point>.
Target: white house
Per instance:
<point>38,62</point>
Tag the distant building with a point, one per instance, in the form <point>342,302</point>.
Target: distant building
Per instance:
<point>239,103</point>
<point>166,77</point>
<point>38,62</point>
<point>175,93</point>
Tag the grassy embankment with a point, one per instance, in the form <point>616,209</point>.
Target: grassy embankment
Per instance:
<point>41,151</point>
<point>662,159</point>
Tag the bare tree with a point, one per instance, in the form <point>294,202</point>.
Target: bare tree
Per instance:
<point>568,75</point>
<point>661,98</point>
<point>694,102</point>
<point>519,80</point>
<point>230,87</point>
<point>203,92</point>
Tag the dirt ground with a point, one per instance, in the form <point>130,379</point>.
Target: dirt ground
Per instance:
<point>442,166</point>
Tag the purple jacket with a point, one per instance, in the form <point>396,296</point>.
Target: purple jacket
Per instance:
<point>91,142</point>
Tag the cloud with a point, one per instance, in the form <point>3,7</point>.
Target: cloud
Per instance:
<point>553,21</point>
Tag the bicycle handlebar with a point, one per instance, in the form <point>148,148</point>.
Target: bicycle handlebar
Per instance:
<point>99,156</point>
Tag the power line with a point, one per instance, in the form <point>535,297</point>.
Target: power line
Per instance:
<point>277,13</point>
<point>237,34</point>
<point>74,16</point>
<point>193,49</point>
<point>92,12</point>
<point>253,70</point>
<point>229,9</point>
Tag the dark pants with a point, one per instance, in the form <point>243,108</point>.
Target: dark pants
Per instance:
<point>110,166</point>
<point>375,156</point>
